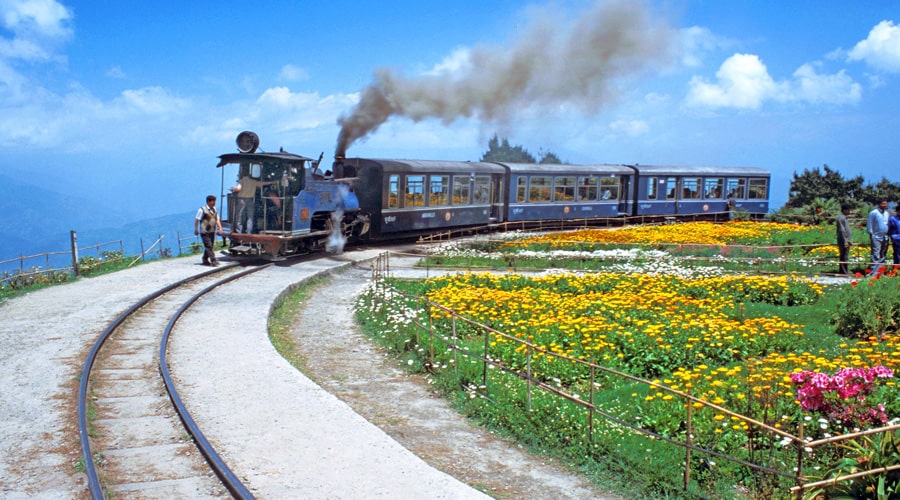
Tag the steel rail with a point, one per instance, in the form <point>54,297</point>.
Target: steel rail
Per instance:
<point>90,468</point>
<point>231,482</point>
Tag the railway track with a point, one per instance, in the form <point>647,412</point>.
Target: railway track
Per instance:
<point>138,440</point>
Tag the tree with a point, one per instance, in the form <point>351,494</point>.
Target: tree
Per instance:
<point>813,184</point>
<point>500,150</point>
<point>549,158</point>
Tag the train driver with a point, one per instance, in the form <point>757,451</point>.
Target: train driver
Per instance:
<point>245,190</point>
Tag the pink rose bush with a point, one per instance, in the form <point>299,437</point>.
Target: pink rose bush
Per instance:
<point>842,396</point>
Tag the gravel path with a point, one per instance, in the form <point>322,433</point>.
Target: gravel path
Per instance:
<point>44,339</point>
<point>285,435</point>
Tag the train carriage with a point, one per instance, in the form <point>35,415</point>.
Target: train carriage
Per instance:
<point>566,192</point>
<point>712,191</point>
<point>419,196</point>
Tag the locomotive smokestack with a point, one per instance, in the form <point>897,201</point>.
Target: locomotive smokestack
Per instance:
<point>578,63</point>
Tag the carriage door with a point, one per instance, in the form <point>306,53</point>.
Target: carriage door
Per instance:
<point>496,198</point>
<point>624,194</point>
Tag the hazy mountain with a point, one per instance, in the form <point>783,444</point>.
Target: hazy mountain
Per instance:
<point>37,220</point>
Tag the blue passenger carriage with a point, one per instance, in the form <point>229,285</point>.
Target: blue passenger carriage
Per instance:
<point>420,196</point>
<point>708,192</point>
<point>567,192</point>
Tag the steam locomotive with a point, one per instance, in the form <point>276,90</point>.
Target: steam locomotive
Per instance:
<point>294,206</point>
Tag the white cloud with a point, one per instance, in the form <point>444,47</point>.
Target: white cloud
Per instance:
<point>116,72</point>
<point>291,73</point>
<point>37,26</point>
<point>42,17</point>
<point>152,101</point>
<point>631,128</point>
<point>743,82</point>
<point>816,88</point>
<point>458,62</point>
<point>881,49</point>
<point>696,42</point>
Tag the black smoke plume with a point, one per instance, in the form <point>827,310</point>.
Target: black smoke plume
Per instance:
<point>552,64</point>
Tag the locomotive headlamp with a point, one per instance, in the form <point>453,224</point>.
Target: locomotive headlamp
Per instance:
<point>247,142</point>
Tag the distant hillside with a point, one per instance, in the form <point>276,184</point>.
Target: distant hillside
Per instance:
<point>34,217</point>
<point>132,235</point>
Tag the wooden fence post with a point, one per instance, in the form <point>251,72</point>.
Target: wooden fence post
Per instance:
<point>73,237</point>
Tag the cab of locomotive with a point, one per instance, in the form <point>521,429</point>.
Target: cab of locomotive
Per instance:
<point>263,190</point>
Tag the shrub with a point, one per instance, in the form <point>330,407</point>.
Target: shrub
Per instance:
<point>869,308</point>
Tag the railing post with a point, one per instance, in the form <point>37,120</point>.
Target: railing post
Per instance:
<point>73,238</point>
<point>591,409</point>
<point>487,343</point>
<point>688,441</point>
<point>455,346</point>
<point>528,377</point>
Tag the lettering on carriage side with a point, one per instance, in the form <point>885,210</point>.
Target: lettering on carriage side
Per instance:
<point>518,210</point>
<point>390,218</point>
<point>645,206</point>
<point>428,215</point>
<point>587,209</point>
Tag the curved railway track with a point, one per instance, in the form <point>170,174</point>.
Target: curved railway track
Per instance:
<point>137,438</point>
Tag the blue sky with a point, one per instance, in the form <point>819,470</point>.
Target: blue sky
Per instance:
<point>131,102</point>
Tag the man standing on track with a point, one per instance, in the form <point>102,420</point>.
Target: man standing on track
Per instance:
<point>208,221</point>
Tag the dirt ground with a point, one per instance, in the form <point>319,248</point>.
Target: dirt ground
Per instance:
<point>347,364</point>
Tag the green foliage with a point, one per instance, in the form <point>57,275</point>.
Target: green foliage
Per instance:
<point>814,185</point>
<point>110,260</point>
<point>861,454</point>
<point>36,277</point>
<point>500,150</point>
<point>869,308</point>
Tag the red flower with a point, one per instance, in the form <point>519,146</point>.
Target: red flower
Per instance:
<point>853,284</point>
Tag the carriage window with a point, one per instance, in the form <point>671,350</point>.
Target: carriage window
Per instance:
<point>521,188</point>
<point>415,191</point>
<point>736,188</point>
<point>690,188</point>
<point>393,191</point>
<point>757,189</point>
<point>482,193</point>
<point>712,188</point>
<point>539,189</point>
<point>671,182</point>
<point>461,190</point>
<point>439,191</point>
<point>564,189</point>
<point>587,189</point>
<point>609,188</point>
<point>652,191</point>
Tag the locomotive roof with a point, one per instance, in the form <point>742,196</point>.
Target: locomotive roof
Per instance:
<point>555,168</point>
<point>280,156</point>
<point>701,170</point>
